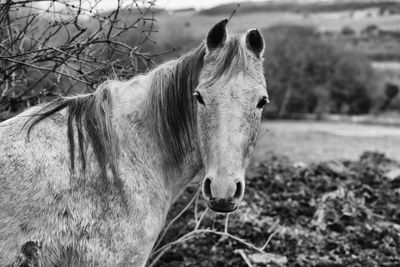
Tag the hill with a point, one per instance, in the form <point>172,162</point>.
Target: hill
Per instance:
<point>301,7</point>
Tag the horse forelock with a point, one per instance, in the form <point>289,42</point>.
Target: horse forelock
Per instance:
<point>231,59</point>
<point>171,106</point>
<point>91,117</point>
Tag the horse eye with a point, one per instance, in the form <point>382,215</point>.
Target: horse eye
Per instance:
<point>199,98</point>
<point>262,102</point>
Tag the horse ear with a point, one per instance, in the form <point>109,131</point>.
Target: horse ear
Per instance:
<point>255,42</point>
<point>217,35</point>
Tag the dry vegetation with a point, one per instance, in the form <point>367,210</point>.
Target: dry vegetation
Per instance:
<point>50,48</point>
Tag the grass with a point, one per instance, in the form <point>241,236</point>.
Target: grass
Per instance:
<point>307,142</point>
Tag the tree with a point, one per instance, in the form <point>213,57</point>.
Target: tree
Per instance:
<point>391,91</point>
<point>60,47</point>
<point>300,64</point>
<point>348,31</point>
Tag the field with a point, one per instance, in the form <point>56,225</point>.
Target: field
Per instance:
<point>309,142</point>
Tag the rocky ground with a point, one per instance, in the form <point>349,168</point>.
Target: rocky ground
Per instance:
<point>335,213</point>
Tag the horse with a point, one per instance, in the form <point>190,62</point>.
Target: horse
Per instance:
<point>88,180</point>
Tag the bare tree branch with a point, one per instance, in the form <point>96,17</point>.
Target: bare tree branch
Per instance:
<point>159,250</point>
<point>60,45</point>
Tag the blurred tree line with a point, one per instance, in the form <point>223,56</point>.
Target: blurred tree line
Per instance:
<point>304,7</point>
<point>305,74</point>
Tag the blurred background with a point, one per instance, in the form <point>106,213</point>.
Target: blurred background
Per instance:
<point>333,74</point>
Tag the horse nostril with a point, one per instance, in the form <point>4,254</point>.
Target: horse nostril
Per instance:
<point>239,191</point>
<point>207,188</point>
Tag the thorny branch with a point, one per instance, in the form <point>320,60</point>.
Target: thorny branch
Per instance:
<point>51,47</point>
<point>159,250</point>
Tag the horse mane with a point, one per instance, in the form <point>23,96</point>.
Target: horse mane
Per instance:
<point>171,106</point>
<point>92,115</point>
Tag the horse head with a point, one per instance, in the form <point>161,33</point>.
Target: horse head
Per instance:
<point>230,97</point>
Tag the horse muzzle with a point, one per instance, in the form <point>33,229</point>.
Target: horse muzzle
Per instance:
<point>223,194</point>
<point>222,205</point>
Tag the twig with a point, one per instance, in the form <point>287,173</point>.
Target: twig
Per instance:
<point>234,11</point>
<point>45,69</point>
<point>278,230</point>
<point>176,218</point>
<point>41,49</point>
<point>244,256</point>
<point>226,223</point>
<point>201,218</point>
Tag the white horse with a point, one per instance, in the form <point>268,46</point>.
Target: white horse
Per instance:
<point>90,179</point>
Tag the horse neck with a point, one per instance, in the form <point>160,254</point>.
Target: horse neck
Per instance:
<point>133,116</point>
